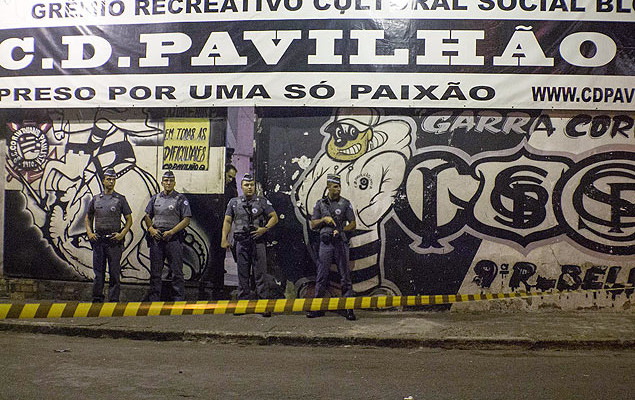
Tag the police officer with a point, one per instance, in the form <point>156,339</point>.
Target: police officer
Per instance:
<point>214,272</point>
<point>168,213</point>
<point>252,217</point>
<point>231,190</point>
<point>333,215</point>
<point>105,210</point>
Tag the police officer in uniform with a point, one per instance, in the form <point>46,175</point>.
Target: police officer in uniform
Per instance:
<point>167,215</point>
<point>252,217</point>
<point>333,215</point>
<point>105,210</point>
<point>213,274</point>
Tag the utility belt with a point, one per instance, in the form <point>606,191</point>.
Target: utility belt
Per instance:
<point>328,238</point>
<point>246,237</point>
<point>107,237</point>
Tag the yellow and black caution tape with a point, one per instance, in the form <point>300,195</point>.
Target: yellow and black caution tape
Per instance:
<point>138,309</point>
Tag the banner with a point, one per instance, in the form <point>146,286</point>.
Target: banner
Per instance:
<point>531,54</point>
<point>186,144</point>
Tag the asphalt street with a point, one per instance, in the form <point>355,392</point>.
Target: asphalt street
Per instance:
<point>37,366</point>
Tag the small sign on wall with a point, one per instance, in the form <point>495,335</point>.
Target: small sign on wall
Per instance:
<point>186,144</point>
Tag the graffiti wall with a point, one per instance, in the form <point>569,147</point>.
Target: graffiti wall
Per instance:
<point>461,201</point>
<point>55,160</point>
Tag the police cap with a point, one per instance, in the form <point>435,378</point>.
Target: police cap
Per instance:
<point>248,178</point>
<point>333,178</point>
<point>110,172</point>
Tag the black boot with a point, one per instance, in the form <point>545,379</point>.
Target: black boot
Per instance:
<point>350,315</point>
<point>314,314</point>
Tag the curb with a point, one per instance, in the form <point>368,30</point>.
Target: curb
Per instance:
<point>292,339</point>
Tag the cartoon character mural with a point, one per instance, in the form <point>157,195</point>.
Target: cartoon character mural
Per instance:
<point>369,152</point>
<point>57,165</point>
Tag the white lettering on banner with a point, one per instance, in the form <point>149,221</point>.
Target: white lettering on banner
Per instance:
<point>570,49</point>
<point>219,50</point>
<point>77,49</point>
<point>367,49</point>
<point>325,47</point>
<point>581,92</point>
<point>7,47</point>
<point>272,44</point>
<point>437,46</point>
<point>160,44</point>
<point>522,50</point>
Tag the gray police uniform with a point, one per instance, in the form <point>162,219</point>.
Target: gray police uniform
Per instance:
<point>106,211</point>
<point>333,249</point>
<point>250,253</point>
<point>166,211</point>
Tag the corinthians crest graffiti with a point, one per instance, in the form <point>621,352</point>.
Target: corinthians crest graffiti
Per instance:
<point>28,148</point>
<point>56,165</point>
<point>597,202</point>
<point>520,198</point>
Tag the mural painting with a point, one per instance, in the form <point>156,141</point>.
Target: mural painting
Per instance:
<point>54,167</point>
<point>464,201</point>
<point>447,201</point>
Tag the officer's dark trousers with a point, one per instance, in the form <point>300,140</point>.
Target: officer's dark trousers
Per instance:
<point>214,273</point>
<point>334,252</point>
<point>213,276</point>
<point>251,255</point>
<point>173,251</point>
<point>106,251</point>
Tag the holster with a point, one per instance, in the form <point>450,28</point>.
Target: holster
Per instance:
<point>242,236</point>
<point>246,238</point>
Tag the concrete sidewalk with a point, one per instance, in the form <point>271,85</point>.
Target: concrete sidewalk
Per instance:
<point>482,330</point>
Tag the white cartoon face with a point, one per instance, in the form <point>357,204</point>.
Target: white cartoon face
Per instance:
<point>351,134</point>
<point>347,143</point>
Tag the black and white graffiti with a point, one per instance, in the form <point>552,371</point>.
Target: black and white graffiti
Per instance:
<point>57,163</point>
<point>521,197</point>
<point>369,151</point>
<point>447,188</point>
